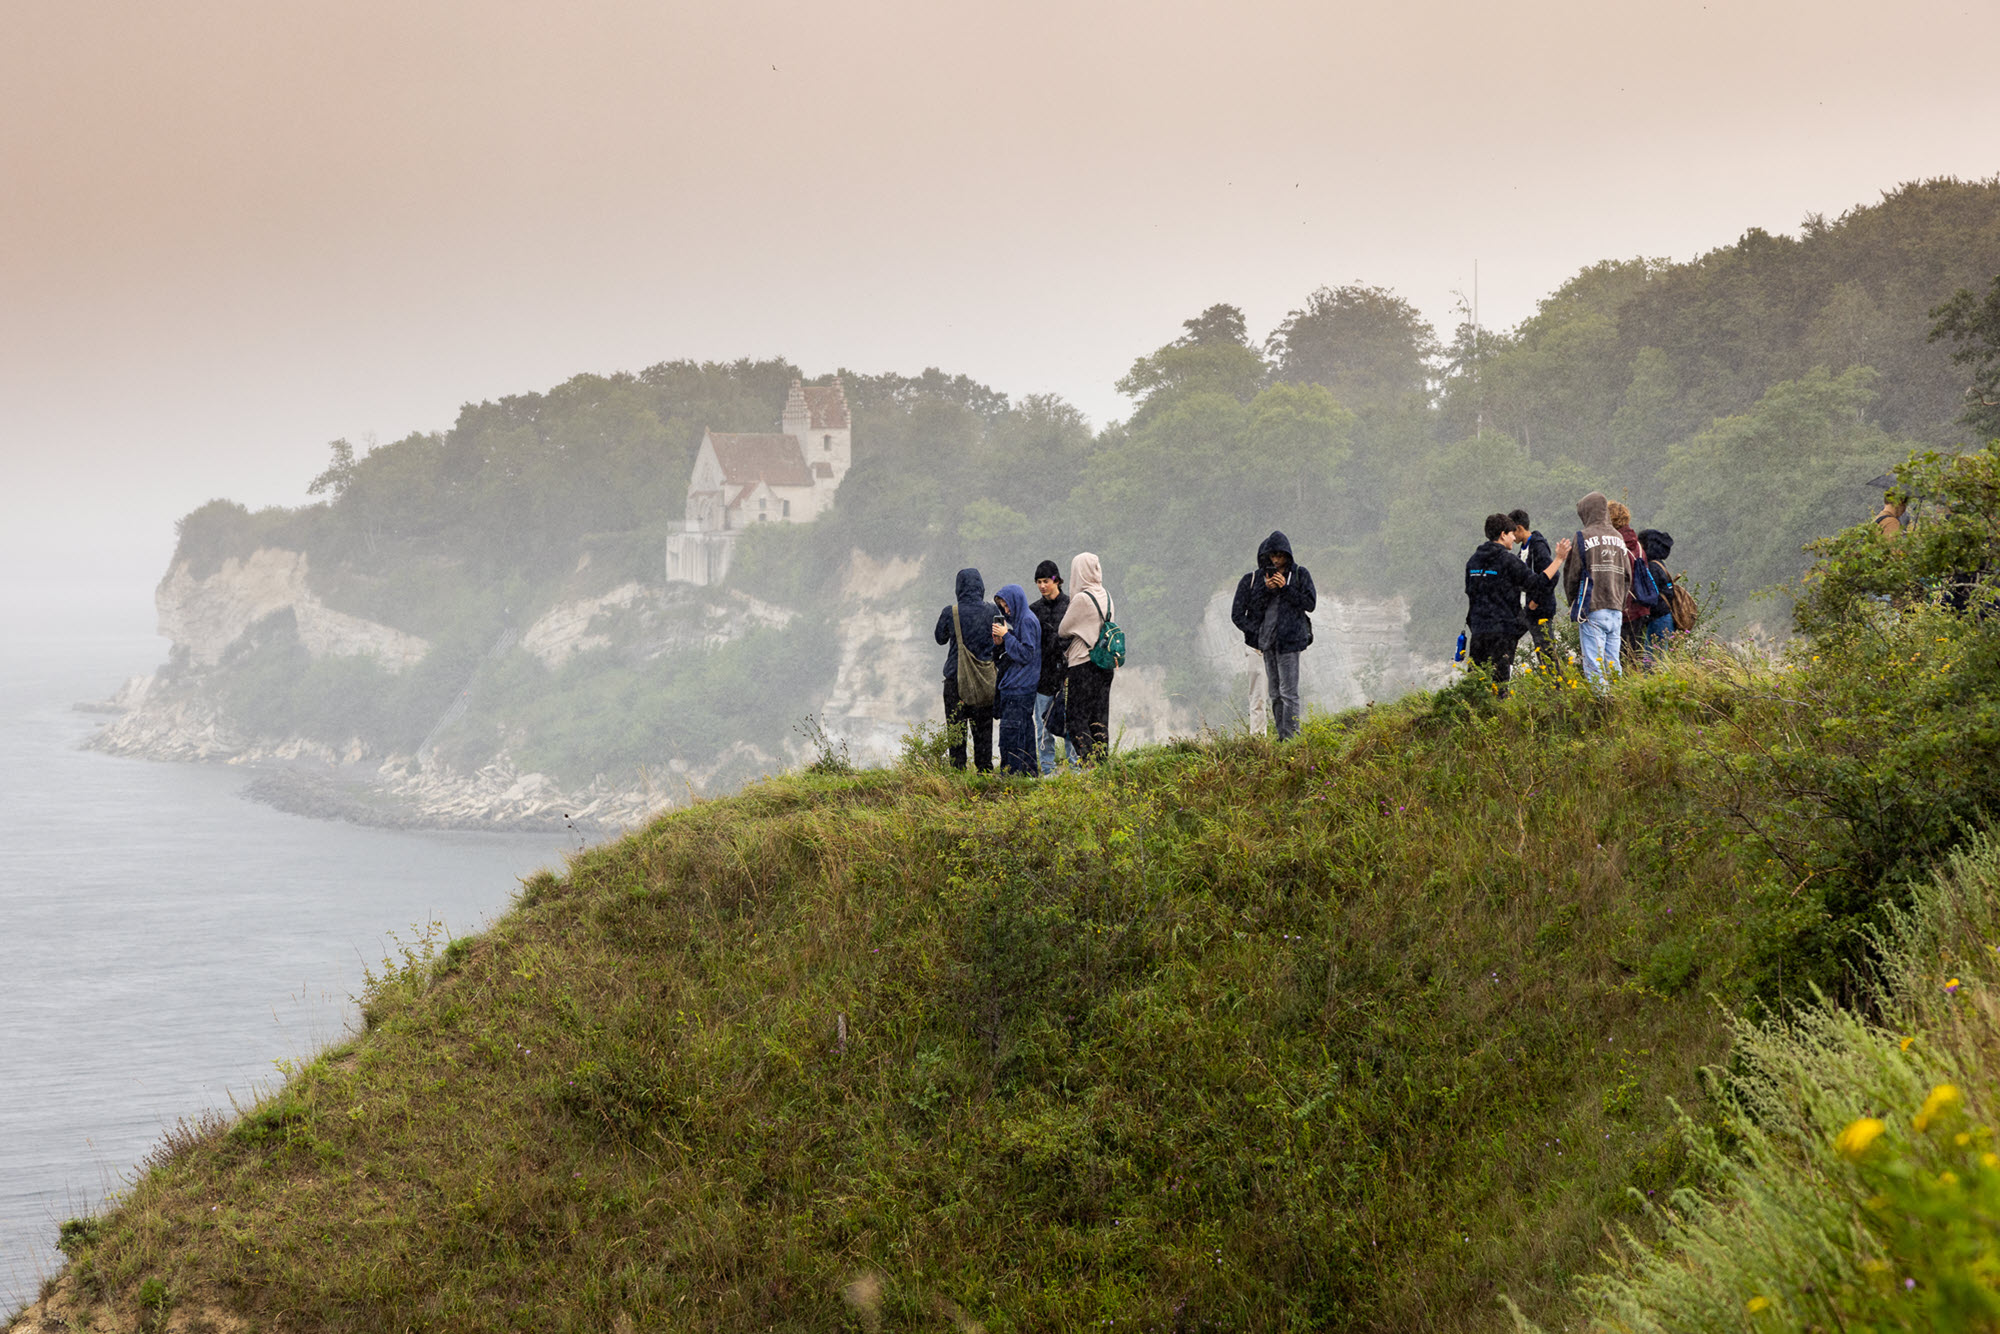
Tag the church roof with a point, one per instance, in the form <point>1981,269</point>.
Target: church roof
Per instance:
<point>749,459</point>
<point>828,404</point>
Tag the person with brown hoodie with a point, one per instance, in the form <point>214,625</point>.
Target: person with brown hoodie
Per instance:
<point>1088,685</point>
<point>1597,578</point>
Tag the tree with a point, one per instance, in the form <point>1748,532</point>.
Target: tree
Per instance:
<point>1746,495</point>
<point>1975,325</point>
<point>1366,344</point>
<point>1212,356</point>
<point>338,475</point>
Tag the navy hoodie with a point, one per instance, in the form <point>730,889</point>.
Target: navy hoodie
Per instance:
<point>1294,629</point>
<point>1494,582</point>
<point>975,614</point>
<point>1021,651</point>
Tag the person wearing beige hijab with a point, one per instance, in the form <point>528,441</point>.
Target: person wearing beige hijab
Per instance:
<point>1089,686</point>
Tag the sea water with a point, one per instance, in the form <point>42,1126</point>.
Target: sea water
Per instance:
<point>165,943</point>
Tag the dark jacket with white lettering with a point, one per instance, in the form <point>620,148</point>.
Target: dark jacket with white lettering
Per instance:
<point>1494,582</point>
<point>1602,552</point>
<point>1294,628</point>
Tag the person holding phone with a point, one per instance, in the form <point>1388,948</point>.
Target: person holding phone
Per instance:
<point>1273,608</point>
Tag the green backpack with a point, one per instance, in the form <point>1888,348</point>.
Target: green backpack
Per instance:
<point>1109,650</point>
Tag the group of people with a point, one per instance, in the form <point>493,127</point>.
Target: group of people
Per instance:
<point>1039,671</point>
<point>1619,590</point>
<point>1045,691</point>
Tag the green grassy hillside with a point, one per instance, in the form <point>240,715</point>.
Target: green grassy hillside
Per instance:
<point>1359,1032</point>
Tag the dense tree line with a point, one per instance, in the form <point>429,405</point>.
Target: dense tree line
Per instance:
<point>1743,399</point>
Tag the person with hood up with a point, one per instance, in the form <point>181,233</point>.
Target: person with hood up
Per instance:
<point>1049,609</point>
<point>1089,686</point>
<point>1017,649</point>
<point>1495,579</point>
<point>1272,608</point>
<point>1597,577</point>
<point>974,621</point>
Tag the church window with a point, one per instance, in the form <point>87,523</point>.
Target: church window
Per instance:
<point>788,509</point>
<point>826,445</point>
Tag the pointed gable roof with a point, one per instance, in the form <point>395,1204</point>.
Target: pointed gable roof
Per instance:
<point>828,405</point>
<point>748,459</point>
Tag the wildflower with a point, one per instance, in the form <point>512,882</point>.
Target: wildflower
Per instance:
<point>1951,987</point>
<point>1943,1096</point>
<point>1947,1178</point>
<point>1757,1304</point>
<point>1989,1160</point>
<point>1961,1139</point>
<point>1854,1140</point>
<point>1906,1044</point>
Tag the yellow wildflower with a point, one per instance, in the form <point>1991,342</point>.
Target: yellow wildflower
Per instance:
<point>1961,1139</point>
<point>1943,1096</point>
<point>1947,1178</point>
<point>1906,1044</point>
<point>1758,1303</point>
<point>1854,1140</point>
<point>1989,1160</point>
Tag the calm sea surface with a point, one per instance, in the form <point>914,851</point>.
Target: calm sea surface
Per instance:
<point>163,941</point>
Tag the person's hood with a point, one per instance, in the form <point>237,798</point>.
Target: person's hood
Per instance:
<point>1015,599</point>
<point>1594,509</point>
<point>971,588</point>
<point>1085,571</point>
<point>1659,546</point>
<point>1490,550</point>
<point>1273,544</point>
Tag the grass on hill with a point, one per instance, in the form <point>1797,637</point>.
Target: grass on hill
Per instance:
<point>1361,1031</point>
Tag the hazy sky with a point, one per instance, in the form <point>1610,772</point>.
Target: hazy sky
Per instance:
<point>232,231</point>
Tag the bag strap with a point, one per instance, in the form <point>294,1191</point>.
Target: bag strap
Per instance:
<point>1101,617</point>
<point>957,630</point>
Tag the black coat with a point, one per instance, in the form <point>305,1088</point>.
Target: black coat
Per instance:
<point>1541,589</point>
<point>1495,579</point>
<point>975,617</point>
<point>1294,630</point>
<point>1050,614</point>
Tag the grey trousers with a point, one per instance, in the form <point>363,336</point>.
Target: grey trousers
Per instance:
<point>1281,682</point>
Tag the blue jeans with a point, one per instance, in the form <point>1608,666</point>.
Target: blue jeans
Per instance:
<point>1017,731</point>
<point>1599,636</point>
<point>1048,739</point>
<point>1281,684</point>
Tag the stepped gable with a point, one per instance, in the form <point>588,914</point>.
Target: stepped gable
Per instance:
<point>748,459</point>
<point>827,404</point>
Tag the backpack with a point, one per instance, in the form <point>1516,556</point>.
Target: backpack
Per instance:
<point>1109,650</point>
<point>1645,589</point>
<point>978,678</point>
<point>1681,603</point>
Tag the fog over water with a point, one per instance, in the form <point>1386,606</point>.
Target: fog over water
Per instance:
<point>166,941</point>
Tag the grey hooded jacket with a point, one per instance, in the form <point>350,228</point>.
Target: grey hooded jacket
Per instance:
<point>1601,550</point>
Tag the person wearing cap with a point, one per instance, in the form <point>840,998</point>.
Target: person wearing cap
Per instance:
<point>1049,609</point>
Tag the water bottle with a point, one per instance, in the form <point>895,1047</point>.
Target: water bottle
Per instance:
<point>1459,656</point>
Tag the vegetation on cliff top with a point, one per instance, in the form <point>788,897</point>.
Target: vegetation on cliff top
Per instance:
<point>1364,1031</point>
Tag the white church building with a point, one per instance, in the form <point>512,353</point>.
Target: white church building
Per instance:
<point>742,479</point>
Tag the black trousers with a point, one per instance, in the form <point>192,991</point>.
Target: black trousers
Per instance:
<point>1496,654</point>
<point>957,718</point>
<point>1089,711</point>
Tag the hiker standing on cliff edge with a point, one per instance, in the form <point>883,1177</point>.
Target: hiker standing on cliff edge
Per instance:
<point>1597,576</point>
<point>1273,608</point>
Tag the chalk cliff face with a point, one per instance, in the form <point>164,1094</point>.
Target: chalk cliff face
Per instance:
<point>887,679</point>
<point>205,616</point>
